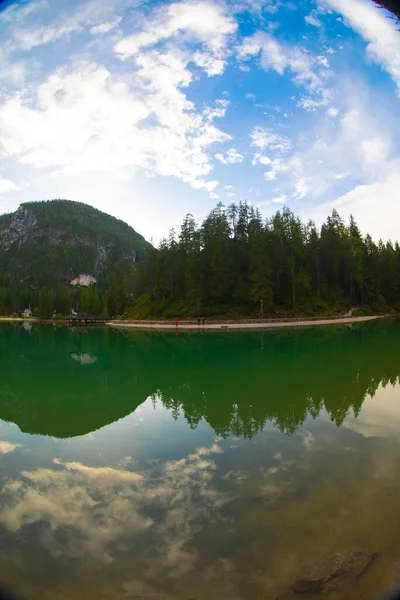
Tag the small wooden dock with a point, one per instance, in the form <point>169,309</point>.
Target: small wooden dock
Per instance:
<point>86,320</point>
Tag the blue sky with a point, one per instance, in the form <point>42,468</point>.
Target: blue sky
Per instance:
<point>149,110</point>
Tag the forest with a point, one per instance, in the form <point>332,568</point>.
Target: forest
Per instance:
<point>107,298</point>
<point>236,263</point>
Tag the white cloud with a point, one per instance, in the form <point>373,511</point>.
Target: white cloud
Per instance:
<point>209,63</point>
<point>105,27</point>
<point>76,112</point>
<point>17,13</point>
<point>28,39</point>
<point>312,103</point>
<point>374,150</point>
<point>312,20</point>
<point>372,203</point>
<point>258,7</point>
<point>301,188</point>
<point>228,187</point>
<point>332,112</point>
<point>261,159</point>
<point>358,150</point>
<point>13,71</point>
<point>323,61</point>
<point>292,168</point>
<point>86,14</point>
<point>308,71</point>
<point>231,157</point>
<point>263,138</point>
<point>378,31</point>
<point>199,184</point>
<point>85,119</point>
<point>7,186</point>
<point>202,22</point>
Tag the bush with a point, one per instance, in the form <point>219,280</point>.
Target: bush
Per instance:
<point>157,308</point>
<point>363,311</point>
<point>212,311</point>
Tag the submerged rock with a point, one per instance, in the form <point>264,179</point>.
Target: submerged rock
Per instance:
<point>332,574</point>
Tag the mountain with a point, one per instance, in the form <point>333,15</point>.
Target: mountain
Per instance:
<point>59,242</point>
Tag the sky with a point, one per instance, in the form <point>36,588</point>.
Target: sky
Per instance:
<point>151,110</point>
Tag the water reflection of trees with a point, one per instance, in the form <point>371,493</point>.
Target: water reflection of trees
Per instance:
<point>295,375</point>
<point>237,382</point>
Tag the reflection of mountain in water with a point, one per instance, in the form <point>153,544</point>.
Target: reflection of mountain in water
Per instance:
<point>236,381</point>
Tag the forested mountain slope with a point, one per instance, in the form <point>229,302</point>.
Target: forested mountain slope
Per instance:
<point>51,243</point>
<point>61,255</point>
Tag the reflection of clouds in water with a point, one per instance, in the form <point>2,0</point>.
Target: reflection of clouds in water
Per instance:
<point>6,447</point>
<point>380,415</point>
<point>89,507</point>
<point>93,512</point>
<point>308,439</point>
<point>84,359</point>
<point>282,465</point>
<point>236,476</point>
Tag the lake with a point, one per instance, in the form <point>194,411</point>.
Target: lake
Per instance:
<point>204,465</point>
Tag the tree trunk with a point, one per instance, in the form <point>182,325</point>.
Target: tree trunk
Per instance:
<point>293,292</point>
<point>277,287</point>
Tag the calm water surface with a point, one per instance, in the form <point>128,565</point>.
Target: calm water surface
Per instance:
<point>199,466</point>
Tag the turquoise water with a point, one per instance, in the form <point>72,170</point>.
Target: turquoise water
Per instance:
<point>204,465</point>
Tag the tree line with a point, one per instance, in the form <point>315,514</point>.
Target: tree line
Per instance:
<point>238,262</point>
<point>107,299</point>
<point>235,264</point>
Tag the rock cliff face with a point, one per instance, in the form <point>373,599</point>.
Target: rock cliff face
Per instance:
<point>55,243</point>
<point>17,231</point>
<point>83,280</point>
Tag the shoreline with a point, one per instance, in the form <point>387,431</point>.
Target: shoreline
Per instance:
<point>19,319</point>
<point>220,325</point>
<point>257,325</point>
